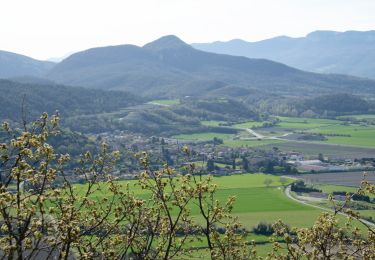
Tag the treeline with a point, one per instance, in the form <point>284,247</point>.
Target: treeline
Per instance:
<point>325,106</point>
<point>183,118</point>
<point>69,101</point>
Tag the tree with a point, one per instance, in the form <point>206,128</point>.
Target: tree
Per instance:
<point>268,182</point>
<point>245,164</point>
<point>321,157</point>
<point>210,165</point>
<point>283,181</point>
<point>233,163</point>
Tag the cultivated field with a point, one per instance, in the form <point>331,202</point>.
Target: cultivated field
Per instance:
<point>332,151</point>
<point>336,132</point>
<point>166,102</point>
<point>343,141</point>
<point>351,179</point>
<point>254,201</point>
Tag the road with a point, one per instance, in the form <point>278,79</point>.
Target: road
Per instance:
<point>260,136</point>
<point>281,138</point>
<point>289,195</point>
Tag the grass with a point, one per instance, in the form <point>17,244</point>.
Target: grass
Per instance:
<point>166,102</point>
<point>295,123</point>
<point>353,135</point>
<point>359,117</point>
<point>327,188</point>
<point>254,201</point>
<point>357,135</point>
<point>249,124</point>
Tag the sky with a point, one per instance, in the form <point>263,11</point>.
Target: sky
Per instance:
<point>53,28</point>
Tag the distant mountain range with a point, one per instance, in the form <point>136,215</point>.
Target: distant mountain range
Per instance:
<point>350,52</point>
<point>168,67</point>
<point>14,65</point>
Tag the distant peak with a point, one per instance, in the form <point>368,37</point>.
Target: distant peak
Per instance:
<point>322,34</point>
<point>166,42</point>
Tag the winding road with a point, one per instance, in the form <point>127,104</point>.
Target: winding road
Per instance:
<point>289,195</point>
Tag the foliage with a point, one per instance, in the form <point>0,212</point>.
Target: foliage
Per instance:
<point>263,229</point>
<point>35,99</point>
<point>300,186</point>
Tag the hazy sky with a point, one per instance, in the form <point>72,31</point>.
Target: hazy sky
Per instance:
<point>52,28</point>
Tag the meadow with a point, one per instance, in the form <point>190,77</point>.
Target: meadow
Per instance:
<point>254,201</point>
<point>166,102</point>
<point>335,131</point>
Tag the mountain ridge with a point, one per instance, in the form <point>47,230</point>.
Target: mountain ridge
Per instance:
<point>168,67</point>
<point>350,52</point>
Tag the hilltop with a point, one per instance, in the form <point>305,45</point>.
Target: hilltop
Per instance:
<point>14,65</point>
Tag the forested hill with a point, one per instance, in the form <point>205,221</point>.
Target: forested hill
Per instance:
<point>168,67</point>
<point>351,52</point>
<point>14,65</point>
<point>69,101</point>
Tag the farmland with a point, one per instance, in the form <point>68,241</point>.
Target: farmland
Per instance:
<point>254,201</point>
<point>166,102</point>
<point>336,132</point>
<point>230,140</point>
<point>351,179</point>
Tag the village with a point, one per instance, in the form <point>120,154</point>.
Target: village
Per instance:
<point>219,160</point>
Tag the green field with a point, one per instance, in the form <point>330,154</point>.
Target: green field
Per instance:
<point>358,135</point>
<point>295,123</point>
<point>249,124</point>
<point>254,201</point>
<point>359,117</point>
<point>335,131</point>
<point>327,188</point>
<point>166,102</point>
<point>351,135</point>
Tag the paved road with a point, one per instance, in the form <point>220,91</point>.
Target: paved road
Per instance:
<point>287,193</point>
<point>257,135</point>
<point>281,138</point>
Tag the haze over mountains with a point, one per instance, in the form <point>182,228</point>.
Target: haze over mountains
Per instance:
<point>168,67</point>
<point>350,52</point>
